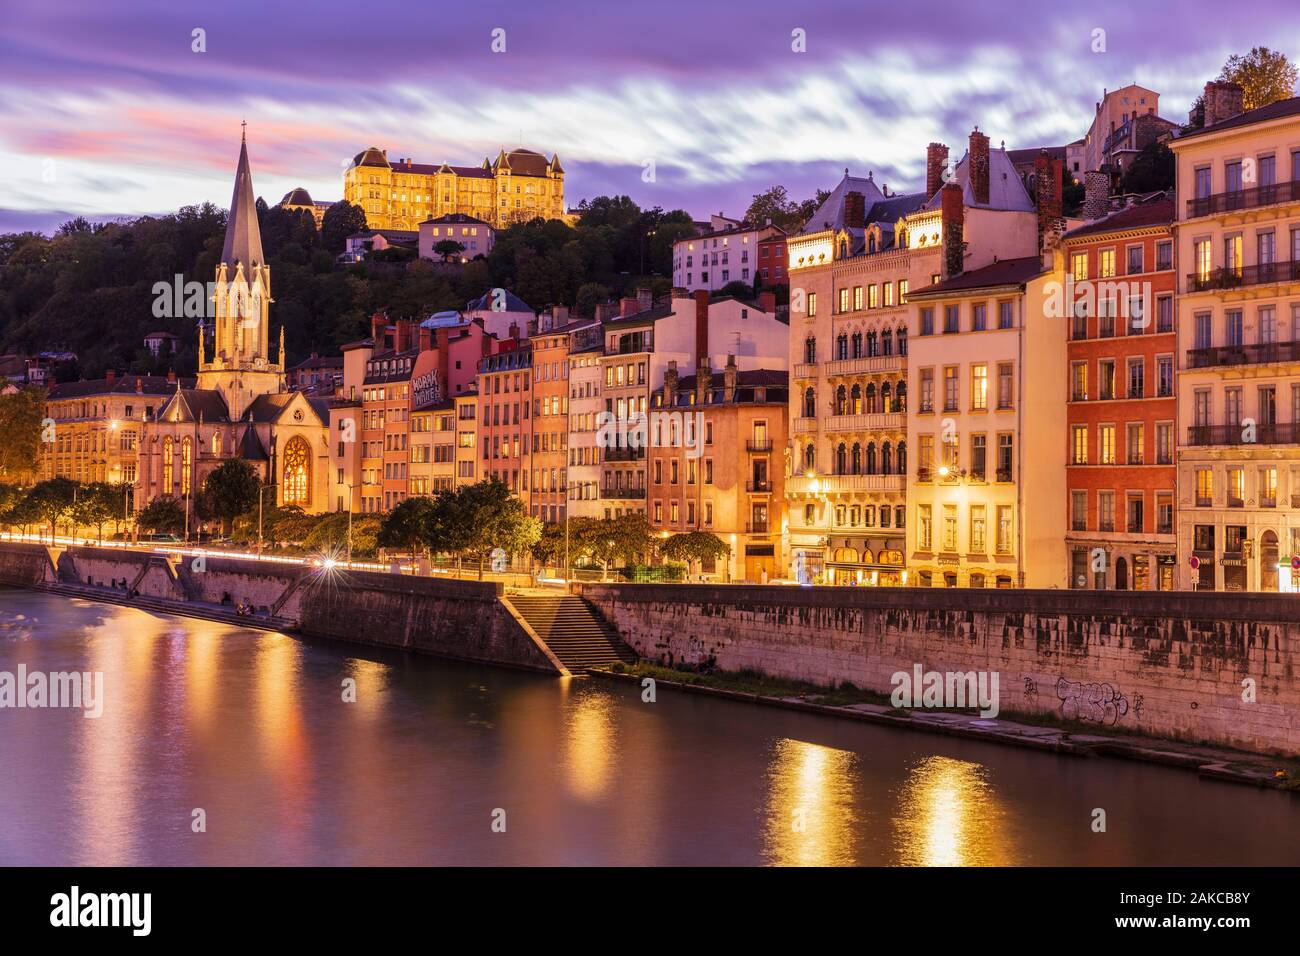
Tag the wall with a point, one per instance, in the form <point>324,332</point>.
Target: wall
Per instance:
<point>1168,665</point>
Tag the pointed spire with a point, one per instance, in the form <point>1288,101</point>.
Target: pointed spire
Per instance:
<point>243,237</point>
<point>282,365</point>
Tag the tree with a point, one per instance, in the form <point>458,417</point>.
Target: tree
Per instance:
<point>735,289</point>
<point>51,501</point>
<point>1265,76</point>
<point>96,503</point>
<point>1152,169</point>
<point>230,490</point>
<point>449,249</point>
<point>694,547</point>
<point>163,515</point>
<point>775,204</point>
<point>21,415</point>
<point>625,537</point>
<point>482,517</point>
<point>340,221</point>
<point>408,526</point>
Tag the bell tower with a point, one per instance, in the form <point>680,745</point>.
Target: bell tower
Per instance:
<point>240,366</point>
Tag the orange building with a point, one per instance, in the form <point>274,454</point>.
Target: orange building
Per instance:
<point>549,425</point>
<point>385,414</point>
<point>1121,406</point>
<point>716,464</point>
<point>505,420</point>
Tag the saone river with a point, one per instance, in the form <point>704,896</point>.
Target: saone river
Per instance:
<point>251,728</point>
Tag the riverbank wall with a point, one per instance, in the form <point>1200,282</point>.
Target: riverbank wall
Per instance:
<point>1219,669</point>
<point>464,620</point>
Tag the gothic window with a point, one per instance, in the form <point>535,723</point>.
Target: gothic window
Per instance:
<point>886,468</point>
<point>871,458</point>
<point>840,400</point>
<point>187,465</point>
<point>901,466</point>
<point>809,403</point>
<point>855,400</point>
<point>871,398</point>
<point>857,459</point>
<point>884,399</point>
<point>810,350</point>
<point>168,474</point>
<point>857,345</point>
<point>886,342</point>
<point>900,399</point>
<point>809,457</point>
<point>841,455</point>
<point>297,473</point>
<point>216,444</point>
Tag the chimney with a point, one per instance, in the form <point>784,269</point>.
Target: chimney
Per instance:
<point>670,384</point>
<point>402,336</point>
<point>426,339</point>
<point>110,377</point>
<point>485,341</point>
<point>559,316</point>
<point>979,166</point>
<point>171,376</point>
<point>444,359</point>
<point>1223,101</point>
<point>936,160</point>
<point>628,306</point>
<point>514,331</point>
<point>139,385</point>
<point>701,326</point>
<point>1047,190</point>
<point>606,310</point>
<point>645,298</point>
<point>703,379</point>
<point>730,376</point>
<point>767,302</point>
<point>1096,194</point>
<point>378,323</point>
<point>953,214</point>
<point>855,210</point>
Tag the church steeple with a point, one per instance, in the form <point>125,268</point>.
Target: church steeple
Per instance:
<point>243,238</point>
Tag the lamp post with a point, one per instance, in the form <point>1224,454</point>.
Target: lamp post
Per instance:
<point>351,489</point>
<point>260,492</point>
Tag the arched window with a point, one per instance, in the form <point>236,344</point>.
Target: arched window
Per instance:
<point>900,396</point>
<point>885,399</point>
<point>886,462</point>
<point>902,468</point>
<point>871,398</point>
<point>810,349</point>
<point>168,454</point>
<point>810,457</point>
<point>871,243</point>
<point>886,342</point>
<point>297,472</point>
<point>844,249</point>
<point>857,345</point>
<point>840,400</point>
<point>187,465</point>
<point>840,455</point>
<point>871,458</point>
<point>216,444</point>
<point>842,347</point>
<point>902,340</point>
<point>857,460</point>
<point>873,348</point>
<point>855,400</point>
<point>809,403</point>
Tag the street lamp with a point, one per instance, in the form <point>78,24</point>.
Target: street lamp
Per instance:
<point>260,492</point>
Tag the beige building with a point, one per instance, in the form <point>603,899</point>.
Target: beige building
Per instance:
<point>586,351</point>
<point>515,187</point>
<point>1237,240</point>
<point>466,452</point>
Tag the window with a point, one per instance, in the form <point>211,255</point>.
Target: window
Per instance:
<point>1165,313</point>
<point>812,303</point>
<point>1078,511</point>
<point>1004,385</point>
<point>1004,529</point>
<point>927,390</point>
<point>1164,513</point>
<point>1135,507</point>
<point>950,527</point>
<point>1004,314</point>
<point>1079,266</point>
<point>927,321</point>
<point>1236,487</point>
<point>1164,255</point>
<point>1079,444</point>
<point>1136,443</point>
<point>979,387</point>
<point>978,456</point>
<point>924,532</point>
<point>1164,443</point>
<point>1204,487</point>
<point>1164,376</point>
<point>951,318</point>
<point>1136,378</point>
<point>1106,444</point>
<point>1079,381</point>
<point>1005,456</point>
<point>1105,511</point>
<point>1106,264</point>
<point>1268,487</point>
<point>979,317</point>
<point>1106,379</point>
<point>951,384</point>
<point>1134,260</point>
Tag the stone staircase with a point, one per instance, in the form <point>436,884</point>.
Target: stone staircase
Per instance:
<point>574,632</point>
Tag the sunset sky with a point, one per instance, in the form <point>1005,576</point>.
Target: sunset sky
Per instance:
<point>105,110</point>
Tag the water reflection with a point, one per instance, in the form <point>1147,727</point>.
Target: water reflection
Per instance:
<point>811,817</point>
<point>949,815</point>
<point>589,743</point>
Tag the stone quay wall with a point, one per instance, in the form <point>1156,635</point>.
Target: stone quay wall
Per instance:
<point>1198,667</point>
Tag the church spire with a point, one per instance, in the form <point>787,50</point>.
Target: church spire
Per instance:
<point>243,237</point>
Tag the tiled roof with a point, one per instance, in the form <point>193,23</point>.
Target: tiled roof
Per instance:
<point>484,303</point>
<point>1006,191</point>
<point>1262,114</point>
<point>830,214</point>
<point>123,385</point>
<point>1005,272</point>
<point>1137,216</point>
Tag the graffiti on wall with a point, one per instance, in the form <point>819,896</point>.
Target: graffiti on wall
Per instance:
<point>1093,702</point>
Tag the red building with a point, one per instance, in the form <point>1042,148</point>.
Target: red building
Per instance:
<point>772,261</point>
<point>1121,413</point>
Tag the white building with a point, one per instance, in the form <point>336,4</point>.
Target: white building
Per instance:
<point>711,260</point>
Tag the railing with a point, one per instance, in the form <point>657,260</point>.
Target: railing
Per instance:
<point>869,422</point>
<point>866,364</point>
<point>758,486</point>
<point>805,370</point>
<point>623,453</point>
<point>1251,198</point>
<point>1281,433</point>
<point>1004,474</point>
<point>756,445</point>
<point>837,484</point>
<point>756,527</point>
<point>803,426</point>
<point>1261,354</point>
<point>622,492</point>
<point>1260,274</point>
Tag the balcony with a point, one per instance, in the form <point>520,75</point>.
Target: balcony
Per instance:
<point>756,527</point>
<point>875,421</point>
<point>1270,353</point>
<point>840,484</point>
<point>805,426</point>
<point>1263,274</point>
<point>866,365</point>
<point>1282,433</point>
<point>1004,474</point>
<point>622,493</point>
<point>805,371</point>
<point>759,487</point>
<point>1252,198</point>
<point>758,445</point>
<point>623,453</point>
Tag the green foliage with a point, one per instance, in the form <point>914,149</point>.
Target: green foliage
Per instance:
<point>736,289</point>
<point>1152,169</point>
<point>1265,76</point>
<point>20,424</point>
<point>163,515</point>
<point>694,546</point>
<point>775,204</point>
<point>340,221</point>
<point>230,490</point>
<point>99,502</point>
<point>449,249</point>
<point>479,518</point>
<point>407,527</point>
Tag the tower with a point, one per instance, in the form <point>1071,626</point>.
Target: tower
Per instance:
<point>240,367</point>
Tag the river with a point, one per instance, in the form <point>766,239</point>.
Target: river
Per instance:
<point>245,737</point>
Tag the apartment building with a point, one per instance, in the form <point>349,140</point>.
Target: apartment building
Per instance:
<point>550,425</point>
<point>586,348</point>
<point>731,254</point>
<point>467,450</point>
<point>1119,300</point>
<point>716,464</point>
<point>1238,249</point>
<point>505,415</point>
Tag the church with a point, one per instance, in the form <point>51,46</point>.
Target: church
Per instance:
<point>240,406</point>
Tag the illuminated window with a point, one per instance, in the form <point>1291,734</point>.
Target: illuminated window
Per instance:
<point>168,474</point>
<point>187,466</point>
<point>297,473</point>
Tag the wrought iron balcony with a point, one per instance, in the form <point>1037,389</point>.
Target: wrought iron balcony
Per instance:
<point>622,492</point>
<point>763,486</point>
<point>1259,274</point>
<point>1252,198</point>
<point>756,445</point>
<point>1269,353</point>
<point>623,453</point>
<point>1281,433</point>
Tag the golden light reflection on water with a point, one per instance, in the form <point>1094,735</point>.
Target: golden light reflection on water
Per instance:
<point>811,818</point>
<point>202,663</point>
<point>589,743</point>
<point>950,815</point>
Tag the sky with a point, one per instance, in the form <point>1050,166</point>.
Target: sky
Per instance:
<point>107,110</point>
